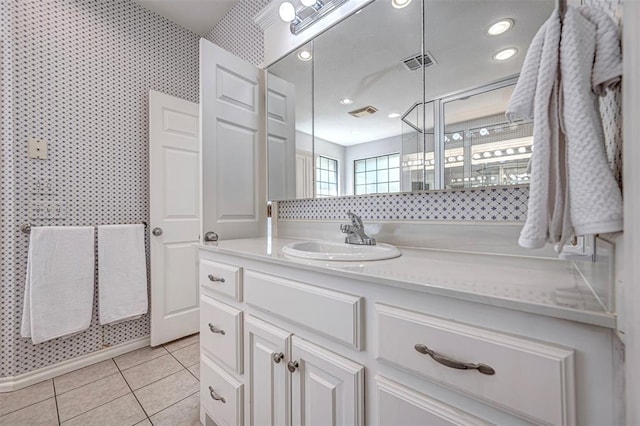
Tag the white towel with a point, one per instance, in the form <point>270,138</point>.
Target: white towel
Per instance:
<point>58,298</point>
<point>572,189</point>
<point>536,96</point>
<point>122,273</point>
<point>591,63</point>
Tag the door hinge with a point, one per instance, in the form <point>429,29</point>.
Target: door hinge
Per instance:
<point>268,210</point>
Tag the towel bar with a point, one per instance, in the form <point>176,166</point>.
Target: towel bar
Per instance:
<point>25,228</point>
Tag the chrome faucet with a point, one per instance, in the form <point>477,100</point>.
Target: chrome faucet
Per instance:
<point>355,232</point>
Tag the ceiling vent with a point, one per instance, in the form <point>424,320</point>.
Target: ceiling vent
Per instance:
<point>363,112</point>
<point>415,62</point>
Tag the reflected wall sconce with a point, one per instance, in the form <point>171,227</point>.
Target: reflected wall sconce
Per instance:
<point>309,13</point>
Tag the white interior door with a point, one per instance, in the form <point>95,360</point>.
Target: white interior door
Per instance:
<point>233,157</point>
<point>174,180</point>
<point>281,134</point>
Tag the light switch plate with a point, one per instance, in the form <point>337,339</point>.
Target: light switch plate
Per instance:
<point>37,148</point>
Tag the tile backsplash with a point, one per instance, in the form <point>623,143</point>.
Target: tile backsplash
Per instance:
<point>498,204</point>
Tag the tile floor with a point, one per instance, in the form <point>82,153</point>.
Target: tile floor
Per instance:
<point>149,386</point>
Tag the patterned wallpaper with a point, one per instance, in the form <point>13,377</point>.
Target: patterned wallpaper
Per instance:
<point>237,33</point>
<point>82,70</point>
<point>6,202</point>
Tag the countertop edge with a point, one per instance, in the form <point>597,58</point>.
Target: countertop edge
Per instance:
<point>604,319</point>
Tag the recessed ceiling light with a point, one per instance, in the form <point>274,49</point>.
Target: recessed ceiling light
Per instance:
<point>399,4</point>
<point>456,136</point>
<point>484,132</point>
<point>505,54</point>
<point>500,27</point>
<point>522,149</point>
<point>308,3</point>
<point>393,115</point>
<point>304,55</point>
<point>510,151</point>
<point>346,101</point>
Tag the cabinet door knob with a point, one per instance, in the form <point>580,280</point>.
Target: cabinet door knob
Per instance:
<point>452,363</point>
<point>216,330</point>
<point>157,231</point>
<point>292,366</point>
<point>277,357</point>
<point>215,279</point>
<point>215,396</point>
<point>210,237</point>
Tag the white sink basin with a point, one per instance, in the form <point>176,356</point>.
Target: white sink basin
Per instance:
<point>328,250</point>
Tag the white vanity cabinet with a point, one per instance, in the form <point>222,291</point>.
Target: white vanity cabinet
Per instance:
<point>288,380</point>
<point>299,339</point>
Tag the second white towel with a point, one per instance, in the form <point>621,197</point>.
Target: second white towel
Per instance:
<point>122,273</point>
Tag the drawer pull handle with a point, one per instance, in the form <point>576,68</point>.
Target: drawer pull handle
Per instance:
<point>277,357</point>
<point>215,396</point>
<point>292,366</point>
<point>215,329</point>
<point>215,279</point>
<point>452,363</point>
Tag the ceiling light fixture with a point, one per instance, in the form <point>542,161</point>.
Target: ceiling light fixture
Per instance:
<point>393,115</point>
<point>456,136</point>
<point>399,4</point>
<point>305,13</point>
<point>505,54</point>
<point>484,132</point>
<point>346,101</point>
<point>287,12</point>
<point>522,149</point>
<point>500,27</point>
<point>304,55</point>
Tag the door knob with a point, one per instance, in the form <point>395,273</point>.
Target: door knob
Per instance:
<point>210,237</point>
<point>157,232</point>
<point>292,365</point>
<point>277,357</point>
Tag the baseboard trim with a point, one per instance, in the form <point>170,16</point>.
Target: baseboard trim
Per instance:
<point>8,384</point>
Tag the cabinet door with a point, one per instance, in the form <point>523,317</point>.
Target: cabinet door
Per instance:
<point>400,406</point>
<point>269,388</point>
<point>327,389</point>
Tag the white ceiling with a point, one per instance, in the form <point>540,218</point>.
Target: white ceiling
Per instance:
<point>361,58</point>
<point>198,16</point>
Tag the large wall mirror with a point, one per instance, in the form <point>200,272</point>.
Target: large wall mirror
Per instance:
<point>403,96</point>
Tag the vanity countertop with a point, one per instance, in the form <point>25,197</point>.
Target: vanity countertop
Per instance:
<point>537,285</point>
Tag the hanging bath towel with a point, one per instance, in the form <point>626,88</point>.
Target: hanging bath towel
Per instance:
<point>58,298</point>
<point>536,97</point>
<point>591,62</point>
<point>122,273</point>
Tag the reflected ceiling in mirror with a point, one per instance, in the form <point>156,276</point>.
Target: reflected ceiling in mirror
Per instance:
<point>373,58</point>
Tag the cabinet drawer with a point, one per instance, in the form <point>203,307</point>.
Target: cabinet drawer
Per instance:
<point>220,395</point>
<point>334,314</point>
<point>400,405</point>
<point>221,332</point>
<point>532,380</point>
<point>221,278</point>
